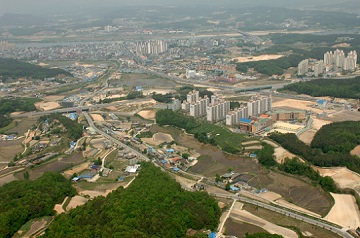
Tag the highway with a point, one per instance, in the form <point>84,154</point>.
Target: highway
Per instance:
<point>287,213</point>
<point>78,108</point>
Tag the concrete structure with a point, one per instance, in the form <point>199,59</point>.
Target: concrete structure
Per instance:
<point>319,68</point>
<point>287,115</point>
<point>259,105</point>
<point>175,105</point>
<point>303,67</point>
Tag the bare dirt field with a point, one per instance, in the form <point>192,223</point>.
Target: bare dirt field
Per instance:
<point>250,142</point>
<point>282,220</point>
<point>345,211</point>
<point>77,169</point>
<point>76,201</point>
<point>185,183</point>
<point>288,204</point>
<point>240,229</point>
<point>147,114</point>
<point>356,151</point>
<point>46,106</point>
<point>158,91</point>
<point>162,137</point>
<point>7,179</point>
<point>299,105</point>
<point>280,154</point>
<point>97,117</point>
<point>54,98</point>
<point>307,136</point>
<point>257,58</point>
<point>271,196</point>
<point>54,166</point>
<point>8,149</point>
<point>245,216</point>
<point>254,147</point>
<point>151,141</point>
<point>344,177</point>
<point>345,116</point>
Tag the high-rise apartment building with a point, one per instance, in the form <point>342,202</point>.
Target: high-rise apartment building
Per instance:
<point>303,67</point>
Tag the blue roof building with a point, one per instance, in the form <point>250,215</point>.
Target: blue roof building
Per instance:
<point>321,102</point>
<point>252,155</point>
<point>170,150</point>
<point>138,88</point>
<point>176,169</point>
<point>233,188</point>
<point>212,235</point>
<point>164,161</point>
<point>72,144</point>
<point>245,120</point>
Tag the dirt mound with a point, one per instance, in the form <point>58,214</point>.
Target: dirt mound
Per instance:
<point>147,114</point>
<point>162,137</point>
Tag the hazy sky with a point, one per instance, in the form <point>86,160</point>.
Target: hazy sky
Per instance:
<point>59,6</point>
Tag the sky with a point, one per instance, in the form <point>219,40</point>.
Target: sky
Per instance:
<point>46,7</point>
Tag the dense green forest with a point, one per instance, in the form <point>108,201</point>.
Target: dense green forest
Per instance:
<point>73,128</point>
<point>154,205</point>
<point>21,201</point>
<point>9,105</point>
<point>341,88</point>
<point>12,68</point>
<point>270,67</point>
<point>266,155</point>
<point>315,156</point>
<point>338,137</point>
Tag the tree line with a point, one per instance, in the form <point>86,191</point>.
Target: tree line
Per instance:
<point>294,166</point>
<point>340,88</point>
<point>22,201</point>
<point>315,155</point>
<point>14,69</point>
<point>154,205</point>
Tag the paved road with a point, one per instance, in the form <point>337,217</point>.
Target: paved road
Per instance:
<point>288,213</point>
<point>72,109</point>
<point>116,141</point>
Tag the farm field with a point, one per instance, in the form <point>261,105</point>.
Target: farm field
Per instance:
<point>213,161</point>
<point>285,221</point>
<point>8,149</point>
<point>234,227</point>
<point>57,165</point>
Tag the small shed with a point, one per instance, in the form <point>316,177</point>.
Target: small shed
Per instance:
<point>253,155</point>
<point>176,169</point>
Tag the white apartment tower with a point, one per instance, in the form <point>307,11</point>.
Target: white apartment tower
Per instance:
<point>303,67</point>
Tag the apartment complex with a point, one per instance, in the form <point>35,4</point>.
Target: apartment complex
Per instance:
<point>151,47</point>
<point>214,109</point>
<point>338,59</point>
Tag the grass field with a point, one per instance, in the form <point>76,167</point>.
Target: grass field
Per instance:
<point>285,221</point>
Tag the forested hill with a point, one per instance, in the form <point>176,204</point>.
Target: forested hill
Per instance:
<point>340,88</point>
<point>154,205</point>
<point>12,68</point>
<point>21,201</point>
